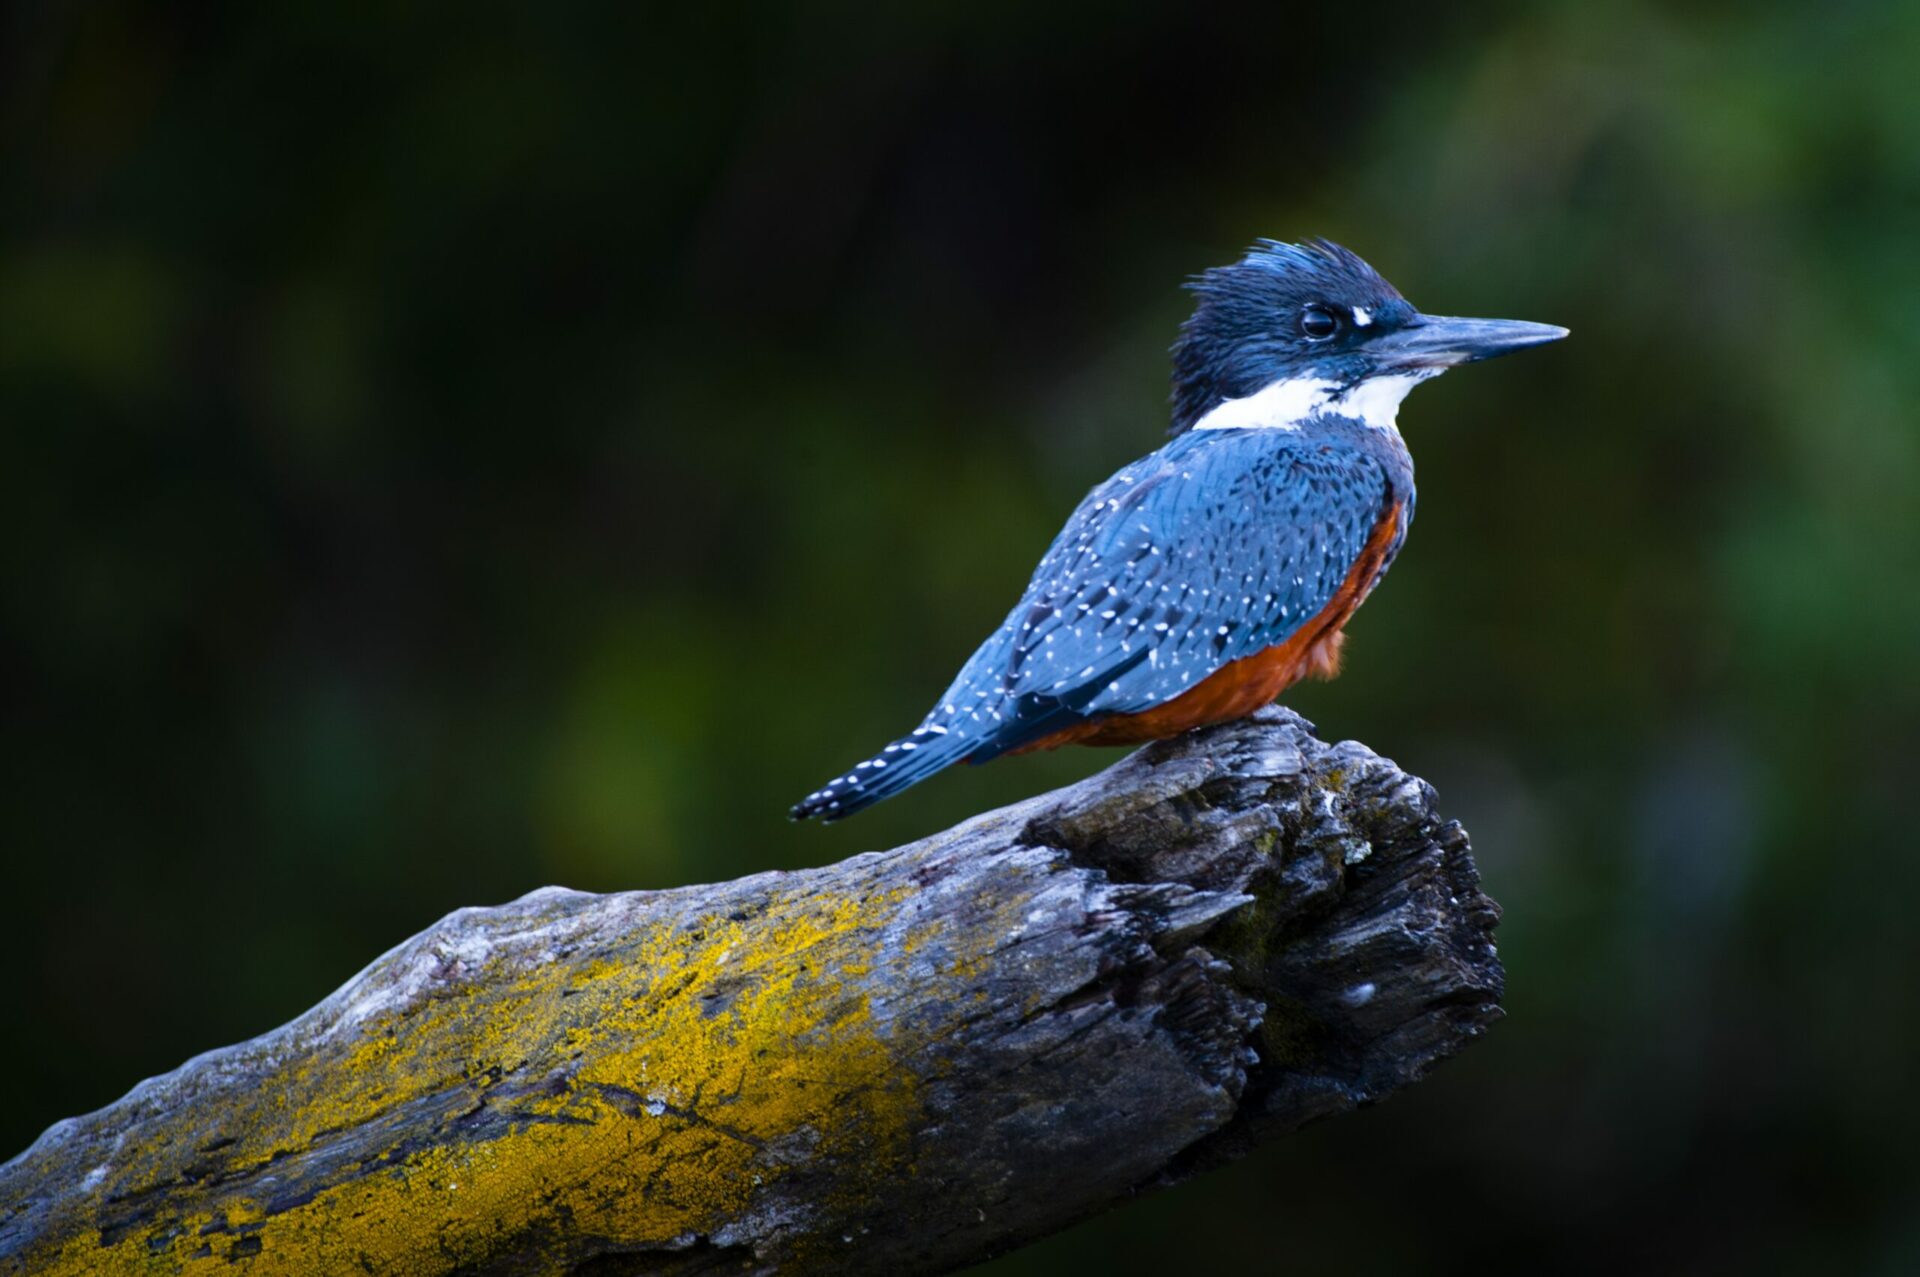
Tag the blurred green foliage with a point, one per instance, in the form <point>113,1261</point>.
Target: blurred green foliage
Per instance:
<point>445,455</point>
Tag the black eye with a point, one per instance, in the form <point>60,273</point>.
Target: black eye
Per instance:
<point>1317,323</point>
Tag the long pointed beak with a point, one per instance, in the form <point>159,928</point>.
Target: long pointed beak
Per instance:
<point>1442,341</point>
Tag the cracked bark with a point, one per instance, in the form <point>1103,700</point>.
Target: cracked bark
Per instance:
<point>902,1063</point>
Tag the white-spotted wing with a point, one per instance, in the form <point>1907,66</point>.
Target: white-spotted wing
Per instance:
<point>1220,545</point>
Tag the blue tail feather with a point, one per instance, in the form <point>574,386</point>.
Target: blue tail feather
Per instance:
<point>902,764</point>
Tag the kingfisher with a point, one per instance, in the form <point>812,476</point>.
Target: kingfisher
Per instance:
<point>1203,580</point>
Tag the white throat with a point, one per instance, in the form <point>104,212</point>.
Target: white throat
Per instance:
<point>1286,405</point>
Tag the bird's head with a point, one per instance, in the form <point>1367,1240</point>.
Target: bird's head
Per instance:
<point>1321,326</point>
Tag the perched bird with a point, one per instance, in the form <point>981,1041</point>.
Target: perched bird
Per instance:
<point>1204,579</point>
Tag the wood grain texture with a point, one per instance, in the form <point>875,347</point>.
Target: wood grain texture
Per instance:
<point>902,1063</point>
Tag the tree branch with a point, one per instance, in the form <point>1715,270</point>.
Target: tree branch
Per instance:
<point>898,1064</point>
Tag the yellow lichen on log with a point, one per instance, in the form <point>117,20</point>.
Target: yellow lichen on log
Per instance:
<point>642,1094</point>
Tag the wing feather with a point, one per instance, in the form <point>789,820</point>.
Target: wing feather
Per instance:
<point>1220,545</point>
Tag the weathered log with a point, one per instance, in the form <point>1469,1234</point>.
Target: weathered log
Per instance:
<point>898,1064</point>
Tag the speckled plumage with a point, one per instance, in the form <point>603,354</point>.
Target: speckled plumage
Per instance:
<point>1233,538</point>
<point>1217,546</point>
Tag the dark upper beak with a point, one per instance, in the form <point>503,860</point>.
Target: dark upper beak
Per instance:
<point>1440,341</point>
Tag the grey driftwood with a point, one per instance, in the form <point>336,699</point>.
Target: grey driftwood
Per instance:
<point>898,1064</point>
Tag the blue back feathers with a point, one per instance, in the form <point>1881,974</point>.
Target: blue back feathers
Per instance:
<point>1214,548</point>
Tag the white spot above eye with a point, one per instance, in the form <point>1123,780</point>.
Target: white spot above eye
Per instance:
<point>1362,316</point>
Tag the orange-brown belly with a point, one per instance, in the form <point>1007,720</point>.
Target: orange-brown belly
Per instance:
<point>1240,687</point>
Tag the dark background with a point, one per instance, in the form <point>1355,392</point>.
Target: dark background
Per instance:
<point>445,455</point>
